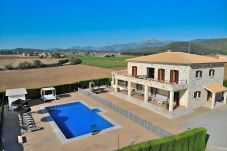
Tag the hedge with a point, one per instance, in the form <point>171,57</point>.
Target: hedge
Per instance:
<point>65,88</point>
<point>225,83</point>
<point>191,140</point>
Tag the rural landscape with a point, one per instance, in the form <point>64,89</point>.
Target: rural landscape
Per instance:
<point>113,75</point>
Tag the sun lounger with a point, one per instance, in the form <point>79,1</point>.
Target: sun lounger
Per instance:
<point>27,123</point>
<point>34,128</point>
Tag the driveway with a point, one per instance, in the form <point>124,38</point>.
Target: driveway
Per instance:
<point>216,124</point>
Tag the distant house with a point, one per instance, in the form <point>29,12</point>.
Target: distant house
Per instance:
<point>24,54</point>
<point>174,78</point>
<point>44,55</point>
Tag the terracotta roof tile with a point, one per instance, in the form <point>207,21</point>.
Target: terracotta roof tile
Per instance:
<point>215,87</point>
<point>176,58</point>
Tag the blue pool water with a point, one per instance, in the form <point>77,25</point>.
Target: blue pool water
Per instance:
<point>76,119</point>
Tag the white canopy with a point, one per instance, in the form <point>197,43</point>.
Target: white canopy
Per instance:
<point>48,96</point>
<point>46,89</point>
<point>15,92</point>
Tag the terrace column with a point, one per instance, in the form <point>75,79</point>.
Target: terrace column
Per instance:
<point>129,88</point>
<point>213,100</point>
<point>145,93</point>
<point>116,83</point>
<point>225,97</point>
<point>171,101</point>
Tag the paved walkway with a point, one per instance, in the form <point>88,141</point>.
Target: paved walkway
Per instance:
<point>154,108</point>
<point>170,125</point>
<point>10,132</point>
<point>151,126</point>
<point>48,140</point>
<point>216,124</point>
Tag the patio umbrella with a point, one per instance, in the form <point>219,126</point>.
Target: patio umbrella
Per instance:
<point>19,102</point>
<point>22,109</point>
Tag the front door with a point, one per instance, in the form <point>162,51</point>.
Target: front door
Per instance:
<point>177,98</point>
<point>209,95</point>
<point>134,71</point>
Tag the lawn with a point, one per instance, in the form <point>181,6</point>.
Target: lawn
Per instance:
<point>105,62</point>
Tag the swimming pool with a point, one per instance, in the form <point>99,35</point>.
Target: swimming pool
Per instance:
<point>76,119</point>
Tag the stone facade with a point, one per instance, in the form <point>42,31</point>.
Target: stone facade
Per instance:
<point>142,69</point>
<point>187,75</point>
<point>197,84</point>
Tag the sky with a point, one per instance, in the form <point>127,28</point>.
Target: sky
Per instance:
<point>66,23</point>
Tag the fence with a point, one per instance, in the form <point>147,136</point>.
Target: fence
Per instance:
<point>140,121</point>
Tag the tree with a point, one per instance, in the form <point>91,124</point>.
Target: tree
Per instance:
<point>8,67</point>
<point>63,61</point>
<point>74,60</point>
<point>37,63</point>
<point>25,65</point>
<point>57,55</point>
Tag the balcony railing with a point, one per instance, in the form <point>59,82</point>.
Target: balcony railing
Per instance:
<point>125,73</point>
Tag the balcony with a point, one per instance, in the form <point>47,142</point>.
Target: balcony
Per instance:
<point>142,79</point>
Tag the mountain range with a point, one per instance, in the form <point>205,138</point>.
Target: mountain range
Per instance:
<point>198,46</point>
<point>124,47</point>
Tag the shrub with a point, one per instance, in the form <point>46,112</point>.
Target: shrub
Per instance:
<point>66,88</point>
<point>63,61</point>
<point>25,65</point>
<point>57,55</point>
<point>225,83</point>
<point>8,67</point>
<point>191,140</point>
<point>74,60</point>
<point>33,93</point>
<point>37,63</point>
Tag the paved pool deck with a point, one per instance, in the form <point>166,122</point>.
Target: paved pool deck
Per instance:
<point>129,132</point>
<point>47,139</point>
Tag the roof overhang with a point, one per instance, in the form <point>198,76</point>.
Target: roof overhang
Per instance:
<point>215,87</point>
<point>16,92</point>
<point>172,63</point>
<point>47,89</point>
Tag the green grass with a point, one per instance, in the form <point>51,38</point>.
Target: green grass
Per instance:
<point>105,62</point>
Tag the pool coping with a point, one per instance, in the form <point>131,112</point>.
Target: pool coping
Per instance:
<point>62,137</point>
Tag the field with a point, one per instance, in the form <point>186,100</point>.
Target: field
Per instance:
<point>106,62</point>
<point>16,59</point>
<point>42,77</point>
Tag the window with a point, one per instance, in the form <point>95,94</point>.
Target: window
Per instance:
<point>134,71</point>
<point>197,94</point>
<point>211,72</point>
<point>161,74</point>
<point>150,72</point>
<point>174,76</point>
<point>198,73</point>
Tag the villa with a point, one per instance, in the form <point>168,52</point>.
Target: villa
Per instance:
<point>174,78</point>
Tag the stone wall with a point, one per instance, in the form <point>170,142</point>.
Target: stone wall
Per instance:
<point>197,84</point>
<point>186,72</point>
<point>142,69</point>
